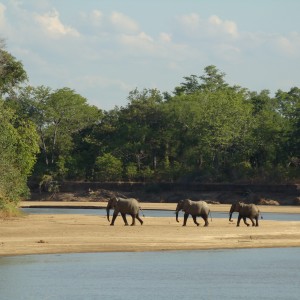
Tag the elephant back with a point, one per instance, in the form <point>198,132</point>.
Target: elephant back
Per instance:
<point>249,210</point>
<point>196,207</point>
<point>203,206</point>
<point>128,205</point>
<point>254,210</point>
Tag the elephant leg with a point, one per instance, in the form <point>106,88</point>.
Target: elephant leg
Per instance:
<point>140,220</point>
<point>256,221</point>
<point>124,219</point>
<point>195,220</point>
<point>205,218</point>
<point>133,220</point>
<point>253,224</point>
<point>185,217</point>
<point>113,219</point>
<point>238,221</point>
<point>245,221</point>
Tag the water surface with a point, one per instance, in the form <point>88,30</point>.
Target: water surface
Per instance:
<point>153,213</point>
<point>218,274</point>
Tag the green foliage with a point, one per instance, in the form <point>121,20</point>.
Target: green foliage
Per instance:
<point>18,148</point>
<point>108,168</point>
<point>132,172</point>
<point>205,131</point>
<point>48,184</point>
<point>58,116</point>
<point>12,73</point>
<point>211,81</point>
<point>210,126</point>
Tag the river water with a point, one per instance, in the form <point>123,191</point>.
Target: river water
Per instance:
<point>153,213</point>
<point>218,274</point>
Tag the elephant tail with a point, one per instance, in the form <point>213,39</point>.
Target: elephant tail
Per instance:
<point>259,213</point>
<point>142,211</point>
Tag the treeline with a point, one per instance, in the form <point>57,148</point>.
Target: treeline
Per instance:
<point>204,131</point>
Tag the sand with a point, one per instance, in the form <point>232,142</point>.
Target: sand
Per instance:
<point>73,233</point>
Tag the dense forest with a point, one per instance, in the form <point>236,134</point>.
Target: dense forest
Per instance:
<point>205,130</point>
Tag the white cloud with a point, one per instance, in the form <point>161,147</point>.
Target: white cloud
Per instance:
<point>140,41</point>
<point>173,66</point>
<point>123,22</point>
<point>52,24</point>
<point>2,15</point>
<point>228,52</point>
<point>214,26</point>
<point>113,47</point>
<point>165,37</point>
<point>101,81</point>
<point>96,17</point>
<point>191,21</point>
<point>289,44</point>
<point>227,27</point>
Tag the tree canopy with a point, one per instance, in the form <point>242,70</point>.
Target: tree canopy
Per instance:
<point>204,131</point>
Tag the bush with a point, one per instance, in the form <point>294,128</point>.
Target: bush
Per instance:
<point>108,168</point>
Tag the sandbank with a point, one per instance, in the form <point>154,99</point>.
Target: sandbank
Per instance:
<point>73,233</point>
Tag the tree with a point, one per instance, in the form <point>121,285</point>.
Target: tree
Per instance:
<point>209,126</point>
<point>211,81</point>
<point>12,73</point>
<point>140,128</point>
<point>58,116</point>
<point>18,138</point>
<point>288,106</point>
<point>18,147</point>
<point>108,168</point>
<point>270,136</point>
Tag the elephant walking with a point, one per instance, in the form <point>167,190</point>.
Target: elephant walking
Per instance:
<point>194,208</point>
<point>124,206</point>
<point>250,211</point>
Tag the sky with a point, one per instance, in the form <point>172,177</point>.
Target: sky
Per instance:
<point>103,49</point>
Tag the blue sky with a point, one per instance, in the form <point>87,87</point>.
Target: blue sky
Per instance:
<point>103,49</point>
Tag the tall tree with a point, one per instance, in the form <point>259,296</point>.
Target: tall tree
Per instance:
<point>58,115</point>
<point>12,73</point>
<point>18,137</point>
<point>210,125</point>
<point>18,147</point>
<point>211,81</point>
<point>288,106</point>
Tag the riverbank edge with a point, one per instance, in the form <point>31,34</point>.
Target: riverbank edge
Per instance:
<point>150,206</point>
<point>34,234</point>
<point>150,250</point>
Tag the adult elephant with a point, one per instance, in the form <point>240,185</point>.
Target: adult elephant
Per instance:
<point>124,206</point>
<point>193,208</point>
<point>250,211</point>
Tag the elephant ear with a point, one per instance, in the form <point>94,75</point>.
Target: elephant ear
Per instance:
<point>114,201</point>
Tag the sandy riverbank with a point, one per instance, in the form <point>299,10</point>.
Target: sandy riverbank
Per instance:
<point>39,234</point>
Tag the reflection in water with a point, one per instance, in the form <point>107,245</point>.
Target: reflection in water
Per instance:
<point>219,274</point>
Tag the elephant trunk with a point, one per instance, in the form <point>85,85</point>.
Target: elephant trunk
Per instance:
<point>107,212</point>
<point>177,215</point>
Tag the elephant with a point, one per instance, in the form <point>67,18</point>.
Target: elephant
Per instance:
<point>194,208</point>
<point>124,206</point>
<point>245,211</point>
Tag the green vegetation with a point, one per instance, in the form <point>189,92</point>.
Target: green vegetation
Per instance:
<point>203,131</point>
<point>18,138</point>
